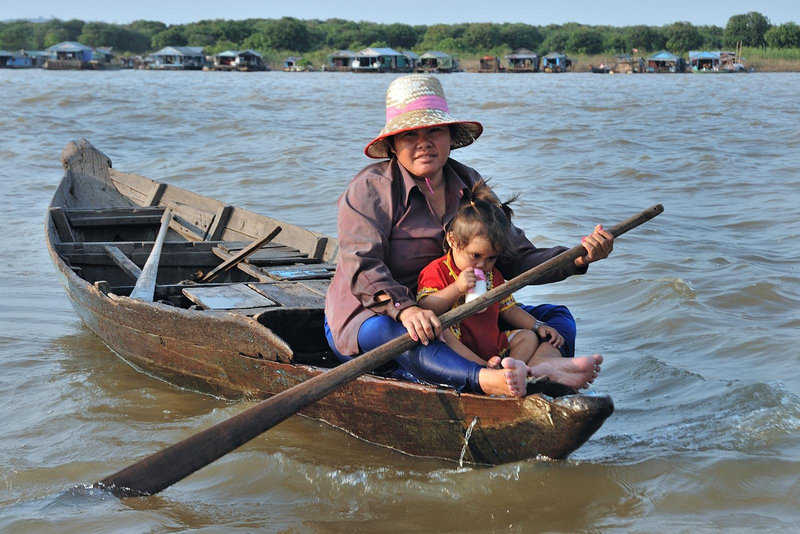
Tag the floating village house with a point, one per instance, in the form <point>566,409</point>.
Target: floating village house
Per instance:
<point>239,60</point>
<point>435,61</point>
<point>666,62</point>
<point>380,60</point>
<point>556,62</point>
<point>522,60</point>
<point>68,55</point>
<point>296,64</point>
<point>5,59</point>
<point>178,58</point>
<point>340,61</point>
<point>103,59</point>
<point>490,64</point>
<point>625,64</point>
<point>720,61</point>
<point>413,59</point>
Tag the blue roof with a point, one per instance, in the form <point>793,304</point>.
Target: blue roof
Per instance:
<point>379,52</point>
<point>68,46</point>
<point>179,51</point>
<point>664,56</point>
<point>693,54</point>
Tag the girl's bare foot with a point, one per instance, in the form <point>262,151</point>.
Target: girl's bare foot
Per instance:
<point>509,381</point>
<point>577,372</point>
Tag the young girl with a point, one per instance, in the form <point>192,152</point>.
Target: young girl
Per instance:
<point>477,236</point>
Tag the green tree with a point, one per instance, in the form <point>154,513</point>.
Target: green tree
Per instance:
<point>401,36</point>
<point>172,36</point>
<point>481,36</point>
<point>445,37</point>
<point>646,38</point>
<point>712,37</point>
<point>555,41</point>
<point>147,27</point>
<point>682,37</point>
<point>615,41</point>
<point>520,36</point>
<point>749,29</point>
<point>17,35</point>
<point>585,40</point>
<point>786,35</point>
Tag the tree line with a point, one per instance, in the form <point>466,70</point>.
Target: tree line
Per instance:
<point>289,34</point>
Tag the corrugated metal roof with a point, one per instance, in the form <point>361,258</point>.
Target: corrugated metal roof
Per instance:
<point>522,53</point>
<point>664,56</point>
<point>379,52</point>
<point>180,51</point>
<point>434,54</point>
<point>68,46</point>
<point>555,55</point>
<point>694,54</point>
<point>410,54</point>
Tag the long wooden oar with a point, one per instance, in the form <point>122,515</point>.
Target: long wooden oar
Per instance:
<point>162,469</point>
<point>146,283</point>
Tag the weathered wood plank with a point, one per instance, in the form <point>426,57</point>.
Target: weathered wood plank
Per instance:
<point>227,297</point>
<point>124,263</point>
<point>220,220</point>
<point>300,272</point>
<point>115,220</point>
<point>155,194</point>
<point>168,258</point>
<point>291,295</point>
<point>318,286</point>
<point>240,256</point>
<point>62,224</point>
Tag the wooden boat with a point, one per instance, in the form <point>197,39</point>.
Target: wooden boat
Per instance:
<point>257,329</point>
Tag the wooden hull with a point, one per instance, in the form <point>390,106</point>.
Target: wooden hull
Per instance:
<point>256,352</point>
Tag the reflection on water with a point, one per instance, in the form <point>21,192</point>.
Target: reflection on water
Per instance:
<point>696,311</point>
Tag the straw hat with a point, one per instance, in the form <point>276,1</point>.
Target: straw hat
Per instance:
<point>417,101</point>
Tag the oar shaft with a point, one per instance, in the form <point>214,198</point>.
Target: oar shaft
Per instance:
<point>162,469</point>
<point>146,283</point>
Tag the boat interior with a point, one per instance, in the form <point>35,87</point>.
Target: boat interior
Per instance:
<point>276,284</point>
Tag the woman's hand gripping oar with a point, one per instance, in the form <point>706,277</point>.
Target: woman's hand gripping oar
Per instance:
<point>162,469</point>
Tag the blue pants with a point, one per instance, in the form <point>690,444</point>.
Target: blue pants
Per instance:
<point>436,363</point>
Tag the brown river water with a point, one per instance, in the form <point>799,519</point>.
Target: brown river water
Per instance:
<point>697,312</point>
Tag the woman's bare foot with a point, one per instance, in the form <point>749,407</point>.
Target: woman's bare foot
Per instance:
<point>577,372</point>
<point>510,380</point>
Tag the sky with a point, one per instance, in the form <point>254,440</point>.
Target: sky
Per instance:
<point>425,12</point>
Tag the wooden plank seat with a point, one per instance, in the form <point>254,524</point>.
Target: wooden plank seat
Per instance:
<point>301,272</point>
<point>253,298</point>
<point>227,297</point>
<point>291,294</point>
<point>127,216</point>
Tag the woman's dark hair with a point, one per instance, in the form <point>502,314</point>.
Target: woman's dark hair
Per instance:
<point>482,214</point>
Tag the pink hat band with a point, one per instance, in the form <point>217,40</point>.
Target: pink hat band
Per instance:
<point>423,102</point>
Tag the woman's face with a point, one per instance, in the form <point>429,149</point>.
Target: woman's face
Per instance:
<point>423,152</point>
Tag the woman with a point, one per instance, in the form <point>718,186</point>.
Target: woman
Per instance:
<point>391,223</point>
